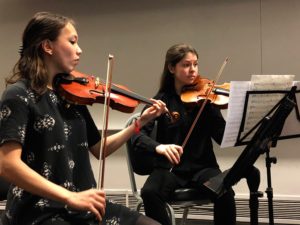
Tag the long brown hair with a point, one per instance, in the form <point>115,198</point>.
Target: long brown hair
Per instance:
<point>30,66</point>
<point>174,55</point>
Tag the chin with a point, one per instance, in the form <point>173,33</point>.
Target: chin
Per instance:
<point>69,70</point>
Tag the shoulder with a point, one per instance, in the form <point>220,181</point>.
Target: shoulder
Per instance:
<point>164,96</point>
<point>19,92</point>
<point>17,89</point>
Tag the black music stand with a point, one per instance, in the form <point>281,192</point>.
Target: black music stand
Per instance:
<point>268,132</point>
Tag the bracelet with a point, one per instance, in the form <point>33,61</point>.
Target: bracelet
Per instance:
<point>137,126</point>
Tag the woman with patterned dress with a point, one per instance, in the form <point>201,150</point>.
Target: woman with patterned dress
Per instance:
<point>45,143</point>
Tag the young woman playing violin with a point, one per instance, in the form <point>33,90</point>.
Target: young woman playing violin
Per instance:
<point>174,165</point>
<point>44,145</point>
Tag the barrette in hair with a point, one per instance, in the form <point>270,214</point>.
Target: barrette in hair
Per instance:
<point>21,50</point>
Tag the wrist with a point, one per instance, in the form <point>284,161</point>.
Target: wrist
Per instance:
<point>137,126</point>
<point>142,121</point>
<point>67,196</point>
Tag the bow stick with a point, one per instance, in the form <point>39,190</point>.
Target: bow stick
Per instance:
<point>204,103</point>
<point>102,153</point>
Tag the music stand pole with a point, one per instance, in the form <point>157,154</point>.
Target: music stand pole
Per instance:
<point>269,189</point>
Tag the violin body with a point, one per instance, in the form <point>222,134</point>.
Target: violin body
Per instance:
<point>204,88</point>
<point>83,89</point>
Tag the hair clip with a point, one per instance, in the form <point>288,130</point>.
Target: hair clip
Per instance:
<point>21,50</point>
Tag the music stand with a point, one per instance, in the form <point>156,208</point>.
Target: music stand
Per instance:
<point>268,132</point>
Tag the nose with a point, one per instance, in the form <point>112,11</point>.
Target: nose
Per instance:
<point>194,67</point>
<point>78,51</point>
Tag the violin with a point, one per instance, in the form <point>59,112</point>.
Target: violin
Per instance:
<point>82,89</point>
<point>202,89</point>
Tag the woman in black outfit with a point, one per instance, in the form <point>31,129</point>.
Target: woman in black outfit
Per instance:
<point>175,167</point>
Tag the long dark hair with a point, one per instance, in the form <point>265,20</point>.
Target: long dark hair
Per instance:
<point>30,66</point>
<point>174,55</point>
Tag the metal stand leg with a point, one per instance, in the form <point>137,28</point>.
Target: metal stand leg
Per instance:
<point>269,190</point>
<point>254,205</point>
<point>253,181</point>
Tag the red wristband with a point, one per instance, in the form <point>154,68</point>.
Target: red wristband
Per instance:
<point>137,126</point>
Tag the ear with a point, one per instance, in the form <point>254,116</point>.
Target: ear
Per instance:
<point>171,69</point>
<point>47,47</point>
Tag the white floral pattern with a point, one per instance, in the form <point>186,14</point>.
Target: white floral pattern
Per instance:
<point>113,221</point>
<point>55,144</point>
<point>42,203</point>
<point>17,192</point>
<point>67,130</point>
<point>23,99</point>
<point>47,173</point>
<point>5,112</point>
<point>22,133</point>
<point>69,185</point>
<point>32,96</point>
<point>53,97</point>
<point>83,145</point>
<point>71,164</point>
<point>46,122</point>
<point>56,148</point>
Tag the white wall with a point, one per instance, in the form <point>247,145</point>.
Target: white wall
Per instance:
<point>259,37</point>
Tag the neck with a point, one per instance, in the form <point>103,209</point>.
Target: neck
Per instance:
<point>178,87</point>
<point>49,85</point>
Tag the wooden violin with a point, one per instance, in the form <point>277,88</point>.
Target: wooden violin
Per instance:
<point>204,88</point>
<point>203,91</point>
<point>83,89</point>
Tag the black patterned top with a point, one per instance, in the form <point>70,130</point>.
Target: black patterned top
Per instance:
<point>55,141</point>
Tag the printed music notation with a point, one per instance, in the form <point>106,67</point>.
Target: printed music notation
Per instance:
<point>258,105</point>
<point>236,103</point>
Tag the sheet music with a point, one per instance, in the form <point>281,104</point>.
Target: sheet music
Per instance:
<point>258,107</point>
<point>236,103</point>
<point>260,104</point>
<point>291,127</point>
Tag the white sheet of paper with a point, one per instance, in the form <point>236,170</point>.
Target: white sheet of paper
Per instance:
<point>291,127</point>
<point>258,106</point>
<point>236,103</point>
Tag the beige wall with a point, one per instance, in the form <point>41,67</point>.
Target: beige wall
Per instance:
<point>259,37</point>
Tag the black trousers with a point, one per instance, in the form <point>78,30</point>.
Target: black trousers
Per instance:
<point>161,184</point>
<point>114,214</point>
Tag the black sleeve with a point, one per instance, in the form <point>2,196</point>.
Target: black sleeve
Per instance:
<point>142,149</point>
<point>93,133</point>
<point>14,115</point>
<point>145,141</point>
<point>218,123</point>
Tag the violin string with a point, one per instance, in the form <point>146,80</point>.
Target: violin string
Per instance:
<point>142,99</point>
<point>129,94</point>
